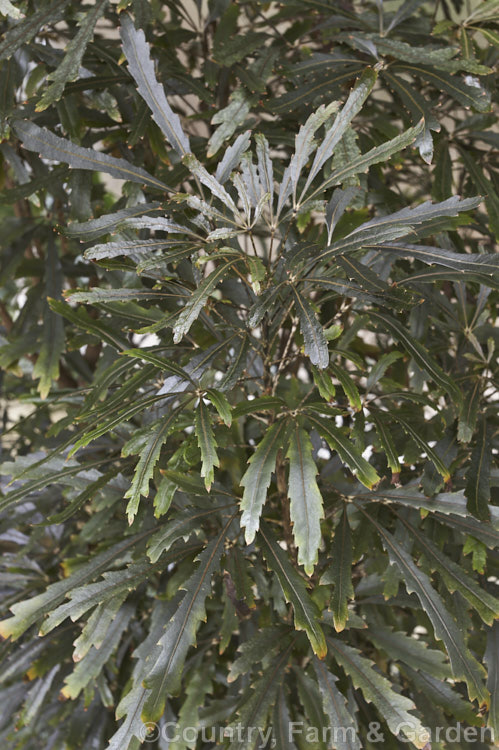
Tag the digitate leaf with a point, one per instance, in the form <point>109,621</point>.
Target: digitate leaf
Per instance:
<point>257,477</point>
<point>313,334</point>
<point>69,68</point>
<point>164,676</point>
<point>478,475</point>
<point>419,353</point>
<point>305,498</point>
<point>345,733</point>
<point>47,365</point>
<point>339,572</point>
<point>149,456</point>
<point>141,67</point>
<point>348,385</point>
<point>377,689</point>
<point>25,30</point>
<point>305,610</point>
<point>51,146</point>
<point>346,450</point>
<point>207,444</point>
<point>464,665</point>
<point>197,301</point>
<point>356,99</point>
<point>456,579</point>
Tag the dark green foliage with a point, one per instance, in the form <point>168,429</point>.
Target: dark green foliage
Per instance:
<point>248,347</point>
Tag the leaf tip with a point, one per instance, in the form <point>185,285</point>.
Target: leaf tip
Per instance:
<point>249,535</point>
<point>5,629</point>
<point>321,650</point>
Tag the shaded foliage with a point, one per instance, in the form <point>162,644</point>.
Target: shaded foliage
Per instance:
<point>248,344</point>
